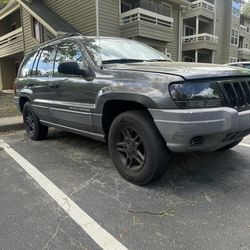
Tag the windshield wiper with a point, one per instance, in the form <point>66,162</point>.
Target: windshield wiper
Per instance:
<point>122,60</point>
<point>158,60</point>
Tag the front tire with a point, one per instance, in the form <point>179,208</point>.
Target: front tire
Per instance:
<point>35,130</point>
<point>137,149</point>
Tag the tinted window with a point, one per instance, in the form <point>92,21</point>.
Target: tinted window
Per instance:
<point>27,66</point>
<point>46,61</point>
<point>247,66</point>
<point>68,51</point>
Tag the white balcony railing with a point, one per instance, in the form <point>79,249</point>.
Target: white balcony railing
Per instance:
<point>243,28</point>
<point>244,51</point>
<point>11,39</point>
<point>204,37</point>
<point>140,14</point>
<point>202,4</point>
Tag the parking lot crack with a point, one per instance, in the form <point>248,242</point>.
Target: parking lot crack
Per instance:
<point>46,246</point>
<point>84,185</point>
<point>168,212</point>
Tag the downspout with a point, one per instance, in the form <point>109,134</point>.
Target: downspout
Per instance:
<point>99,63</point>
<point>215,27</point>
<point>97,18</point>
<point>180,36</point>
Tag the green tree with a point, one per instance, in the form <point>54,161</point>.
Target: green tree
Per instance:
<point>4,1</point>
<point>246,9</point>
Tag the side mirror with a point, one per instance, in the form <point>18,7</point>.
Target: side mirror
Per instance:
<point>71,68</point>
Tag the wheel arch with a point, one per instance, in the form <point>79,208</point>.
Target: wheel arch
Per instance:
<point>22,101</point>
<point>110,108</point>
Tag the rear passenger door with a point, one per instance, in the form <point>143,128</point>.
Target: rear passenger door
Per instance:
<point>42,78</point>
<point>73,102</point>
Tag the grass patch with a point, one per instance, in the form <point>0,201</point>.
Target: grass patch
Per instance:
<point>7,106</point>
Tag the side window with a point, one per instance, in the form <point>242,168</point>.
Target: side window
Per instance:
<point>68,51</point>
<point>247,66</point>
<point>46,61</point>
<point>28,65</point>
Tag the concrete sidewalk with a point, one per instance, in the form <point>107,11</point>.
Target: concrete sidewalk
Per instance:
<point>11,123</point>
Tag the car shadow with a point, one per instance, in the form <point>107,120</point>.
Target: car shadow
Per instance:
<point>190,170</point>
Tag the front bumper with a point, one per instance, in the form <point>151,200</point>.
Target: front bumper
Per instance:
<point>213,128</point>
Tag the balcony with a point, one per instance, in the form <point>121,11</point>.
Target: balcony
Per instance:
<point>244,54</point>
<point>200,41</point>
<point>140,22</point>
<point>200,8</point>
<point>11,43</point>
<point>244,31</point>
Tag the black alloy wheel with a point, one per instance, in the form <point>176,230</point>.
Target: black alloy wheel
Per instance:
<point>137,149</point>
<point>35,130</point>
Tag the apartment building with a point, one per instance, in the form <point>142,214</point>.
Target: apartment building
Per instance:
<point>211,31</point>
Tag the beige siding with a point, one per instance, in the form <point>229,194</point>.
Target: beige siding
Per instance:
<point>199,45</point>
<point>79,13</point>
<point>29,41</point>
<point>199,12</point>
<point>109,18</point>
<point>147,30</point>
<point>48,35</point>
<point>224,17</point>
<point>173,46</point>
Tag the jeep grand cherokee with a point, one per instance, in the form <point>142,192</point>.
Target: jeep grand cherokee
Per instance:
<point>129,95</point>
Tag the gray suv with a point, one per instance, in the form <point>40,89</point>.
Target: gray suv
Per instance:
<point>131,96</point>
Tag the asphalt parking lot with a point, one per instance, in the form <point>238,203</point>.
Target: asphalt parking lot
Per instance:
<point>203,202</point>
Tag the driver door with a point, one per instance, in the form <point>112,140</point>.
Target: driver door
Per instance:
<point>73,103</point>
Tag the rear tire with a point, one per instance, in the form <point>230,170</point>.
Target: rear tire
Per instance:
<point>35,130</point>
<point>137,149</point>
<point>229,146</point>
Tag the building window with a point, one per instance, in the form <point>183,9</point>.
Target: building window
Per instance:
<point>37,30</point>
<point>126,6</point>
<point>236,8</point>
<point>235,37</point>
<point>188,59</point>
<point>247,45</point>
<point>233,59</point>
<point>188,31</point>
<point>168,8</point>
<point>13,26</point>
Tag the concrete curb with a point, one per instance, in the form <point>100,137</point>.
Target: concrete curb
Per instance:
<point>11,124</point>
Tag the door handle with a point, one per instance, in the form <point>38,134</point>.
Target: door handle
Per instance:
<point>54,85</point>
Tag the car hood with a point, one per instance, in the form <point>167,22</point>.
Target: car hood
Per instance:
<point>188,71</point>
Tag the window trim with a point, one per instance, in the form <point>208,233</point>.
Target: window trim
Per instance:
<point>33,32</point>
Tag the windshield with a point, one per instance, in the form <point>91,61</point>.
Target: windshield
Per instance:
<point>115,50</point>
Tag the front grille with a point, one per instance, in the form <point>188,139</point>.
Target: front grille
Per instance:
<point>237,93</point>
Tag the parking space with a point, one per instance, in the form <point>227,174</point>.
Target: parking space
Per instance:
<point>201,203</point>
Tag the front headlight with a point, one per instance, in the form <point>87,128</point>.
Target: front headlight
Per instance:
<point>197,95</point>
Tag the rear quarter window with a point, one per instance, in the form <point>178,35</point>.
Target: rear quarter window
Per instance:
<point>27,66</point>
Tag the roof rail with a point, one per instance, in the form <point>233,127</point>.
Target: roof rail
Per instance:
<point>65,35</point>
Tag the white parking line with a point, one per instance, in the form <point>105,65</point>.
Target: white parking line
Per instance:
<point>244,145</point>
<point>104,239</point>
